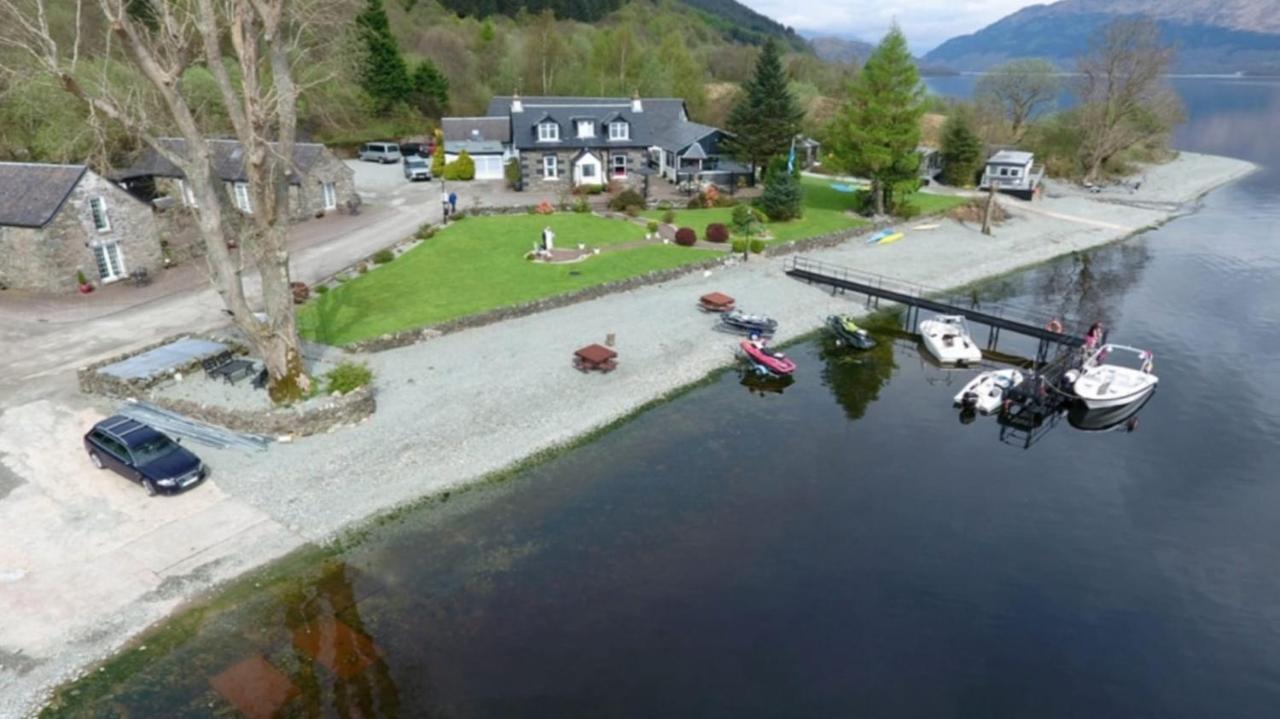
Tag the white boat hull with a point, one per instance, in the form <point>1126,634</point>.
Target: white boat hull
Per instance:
<point>949,343</point>
<point>1104,386</point>
<point>988,390</point>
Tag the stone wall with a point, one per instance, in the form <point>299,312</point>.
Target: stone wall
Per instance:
<point>47,259</point>
<point>92,381</point>
<point>531,167</point>
<point>315,416</point>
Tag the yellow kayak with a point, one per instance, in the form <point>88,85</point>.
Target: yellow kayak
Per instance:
<point>891,238</point>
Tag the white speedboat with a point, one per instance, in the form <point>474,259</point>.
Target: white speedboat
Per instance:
<point>985,392</point>
<point>947,338</point>
<point>1107,380</point>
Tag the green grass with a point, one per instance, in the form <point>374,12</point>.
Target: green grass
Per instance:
<point>931,204</point>
<point>477,265</point>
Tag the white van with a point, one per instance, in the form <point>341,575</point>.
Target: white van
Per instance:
<point>384,152</point>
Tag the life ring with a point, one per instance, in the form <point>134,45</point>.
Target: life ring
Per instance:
<point>1054,326</point>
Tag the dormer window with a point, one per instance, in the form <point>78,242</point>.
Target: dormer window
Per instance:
<point>548,132</point>
<point>619,130</point>
<point>586,128</point>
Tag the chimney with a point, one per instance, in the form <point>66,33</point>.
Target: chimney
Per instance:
<point>516,105</point>
<point>636,105</point>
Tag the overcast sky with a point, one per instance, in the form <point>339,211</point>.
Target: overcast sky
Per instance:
<point>925,22</point>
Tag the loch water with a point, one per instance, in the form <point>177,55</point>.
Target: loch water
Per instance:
<point>845,546</point>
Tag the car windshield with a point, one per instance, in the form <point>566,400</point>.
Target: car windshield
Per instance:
<point>153,449</point>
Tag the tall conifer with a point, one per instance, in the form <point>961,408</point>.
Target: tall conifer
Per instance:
<point>767,118</point>
<point>876,133</point>
<point>384,75</point>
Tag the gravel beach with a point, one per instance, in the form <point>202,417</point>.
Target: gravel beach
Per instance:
<point>462,406</point>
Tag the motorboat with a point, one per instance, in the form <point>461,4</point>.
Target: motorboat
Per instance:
<point>985,393</point>
<point>1124,417</point>
<point>1106,378</point>
<point>847,332</point>
<point>743,323</point>
<point>947,338</point>
<point>766,361</point>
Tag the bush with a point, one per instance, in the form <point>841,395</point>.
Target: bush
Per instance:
<point>545,208</point>
<point>743,219</point>
<point>726,201</point>
<point>632,211</point>
<point>321,289</point>
<point>739,246</point>
<point>588,190</point>
<point>463,168</point>
<point>665,205</point>
<point>757,246</point>
<point>717,232</point>
<point>697,202</point>
<point>425,231</point>
<point>382,257</point>
<point>782,193</point>
<point>669,216</point>
<point>626,198</point>
<point>511,173</point>
<point>301,293</point>
<point>80,278</point>
<point>348,377</point>
<point>686,237</point>
<point>580,206</point>
<point>652,226</point>
<point>906,210</point>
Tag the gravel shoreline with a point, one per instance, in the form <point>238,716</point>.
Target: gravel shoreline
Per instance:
<point>461,407</point>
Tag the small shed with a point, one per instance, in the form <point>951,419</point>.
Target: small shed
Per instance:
<point>1012,172</point>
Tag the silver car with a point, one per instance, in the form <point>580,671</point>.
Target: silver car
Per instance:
<point>416,168</point>
<point>384,152</point>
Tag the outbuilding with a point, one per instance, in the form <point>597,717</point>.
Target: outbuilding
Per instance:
<point>1012,172</point>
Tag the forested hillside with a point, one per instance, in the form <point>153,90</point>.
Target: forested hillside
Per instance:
<point>657,47</point>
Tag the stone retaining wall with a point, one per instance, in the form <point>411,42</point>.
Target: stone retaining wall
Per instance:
<point>314,416</point>
<point>92,381</point>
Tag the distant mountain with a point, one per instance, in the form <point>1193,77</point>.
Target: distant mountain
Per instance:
<point>1212,36</point>
<point>743,24</point>
<point>840,49</point>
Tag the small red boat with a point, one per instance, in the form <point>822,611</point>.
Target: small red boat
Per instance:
<point>765,361</point>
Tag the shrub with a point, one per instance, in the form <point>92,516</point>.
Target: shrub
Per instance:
<point>782,194</point>
<point>321,289</point>
<point>739,246</point>
<point>382,257</point>
<point>652,226</point>
<point>458,216</point>
<point>425,231</point>
<point>362,268</point>
<point>301,293</point>
<point>545,208</point>
<point>743,220</point>
<point>348,377</point>
<point>80,278</point>
<point>665,205</point>
<point>580,206</point>
<point>463,168</point>
<point>511,173</point>
<point>906,210</point>
<point>632,211</point>
<point>697,202</point>
<point>726,201</point>
<point>626,198</point>
<point>757,246</point>
<point>717,232</point>
<point>669,216</point>
<point>686,237</point>
<point>710,196</point>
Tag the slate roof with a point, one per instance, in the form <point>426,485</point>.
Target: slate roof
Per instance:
<point>228,160</point>
<point>461,129</point>
<point>663,122</point>
<point>474,147</point>
<point>31,194</point>
<point>1010,157</point>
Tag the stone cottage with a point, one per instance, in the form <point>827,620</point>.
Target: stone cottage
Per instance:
<point>57,220</point>
<point>320,184</point>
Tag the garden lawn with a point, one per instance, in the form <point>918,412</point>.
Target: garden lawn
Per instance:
<point>475,265</point>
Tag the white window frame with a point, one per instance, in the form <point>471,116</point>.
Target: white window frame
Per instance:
<point>548,132</point>
<point>619,130</point>
<point>588,166</point>
<point>241,192</point>
<point>619,169</point>
<point>94,215</point>
<point>188,195</point>
<point>586,128</point>
<point>329,195</point>
<point>550,167</point>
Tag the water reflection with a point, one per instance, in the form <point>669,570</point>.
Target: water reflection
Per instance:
<point>1109,419</point>
<point>855,377</point>
<point>765,385</point>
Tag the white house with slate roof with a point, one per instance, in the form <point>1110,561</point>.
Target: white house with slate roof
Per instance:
<point>57,220</point>
<point>597,140</point>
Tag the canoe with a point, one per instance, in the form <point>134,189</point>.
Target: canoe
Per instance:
<point>931,226</point>
<point>877,237</point>
<point>887,239</point>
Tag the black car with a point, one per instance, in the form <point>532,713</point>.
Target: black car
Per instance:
<point>420,149</point>
<point>143,455</point>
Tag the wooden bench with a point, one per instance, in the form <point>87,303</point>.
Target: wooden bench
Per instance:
<point>226,367</point>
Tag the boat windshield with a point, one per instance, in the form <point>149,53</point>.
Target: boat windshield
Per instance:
<point>1127,357</point>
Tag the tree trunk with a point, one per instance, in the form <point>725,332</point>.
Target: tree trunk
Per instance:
<point>990,210</point>
<point>877,196</point>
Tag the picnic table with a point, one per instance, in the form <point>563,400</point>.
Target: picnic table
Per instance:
<point>225,367</point>
<point>715,302</point>
<point>596,357</point>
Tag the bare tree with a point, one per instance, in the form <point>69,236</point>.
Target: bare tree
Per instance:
<point>1124,100</point>
<point>1020,90</point>
<point>157,41</point>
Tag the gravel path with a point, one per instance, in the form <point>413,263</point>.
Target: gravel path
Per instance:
<point>461,406</point>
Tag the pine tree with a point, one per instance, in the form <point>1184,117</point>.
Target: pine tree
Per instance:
<point>961,151</point>
<point>384,75</point>
<point>876,133</point>
<point>766,119</point>
<point>782,194</point>
<point>437,155</point>
<point>430,93</point>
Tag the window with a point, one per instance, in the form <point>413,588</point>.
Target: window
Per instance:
<point>619,131</point>
<point>586,128</point>
<point>588,170</point>
<point>549,169</point>
<point>619,164</point>
<point>188,195</point>
<point>331,194</point>
<point>548,132</point>
<point>242,198</point>
<point>98,210</point>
